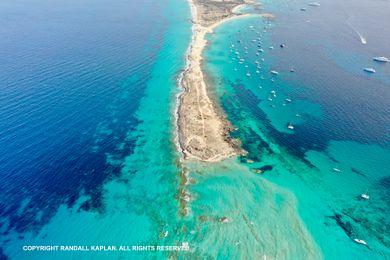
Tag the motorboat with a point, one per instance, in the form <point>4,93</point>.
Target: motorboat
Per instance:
<point>360,241</point>
<point>381,59</point>
<point>369,70</point>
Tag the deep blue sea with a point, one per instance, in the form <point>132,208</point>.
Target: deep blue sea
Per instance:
<point>86,120</point>
<point>87,131</point>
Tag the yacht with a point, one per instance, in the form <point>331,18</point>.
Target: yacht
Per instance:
<point>360,241</point>
<point>369,70</point>
<point>381,59</point>
<point>365,196</point>
<point>314,4</point>
<point>290,126</point>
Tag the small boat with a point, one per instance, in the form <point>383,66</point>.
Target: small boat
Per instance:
<point>288,100</point>
<point>297,115</point>
<point>381,59</point>
<point>369,70</point>
<point>292,70</point>
<point>303,9</point>
<point>269,99</point>
<point>248,74</point>
<point>261,50</point>
<point>257,71</point>
<point>290,126</point>
<point>365,196</point>
<point>271,47</point>
<point>360,241</point>
<point>282,45</point>
<point>314,4</point>
<point>336,170</point>
<point>274,72</point>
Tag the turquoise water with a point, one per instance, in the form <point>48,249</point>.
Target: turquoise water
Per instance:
<point>88,155</point>
<point>328,133</point>
<point>127,196</point>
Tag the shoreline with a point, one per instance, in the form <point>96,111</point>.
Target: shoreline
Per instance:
<point>204,133</point>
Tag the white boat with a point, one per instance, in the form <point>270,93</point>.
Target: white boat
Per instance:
<point>274,72</point>
<point>288,100</point>
<point>303,9</point>
<point>314,4</point>
<point>360,241</point>
<point>271,47</point>
<point>248,74</point>
<point>381,59</point>
<point>365,196</point>
<point>336,170</point>
<point>369,70</point>
<point>290,126</point>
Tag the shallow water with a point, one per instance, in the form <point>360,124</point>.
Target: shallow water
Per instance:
<point>89,106</point>
<point>87,132</point>
<point>332,129</point>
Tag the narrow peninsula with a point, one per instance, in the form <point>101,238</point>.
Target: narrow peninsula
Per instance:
<point>202,129</point>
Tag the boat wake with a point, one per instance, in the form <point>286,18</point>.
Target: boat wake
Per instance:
<point>362,38</point>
